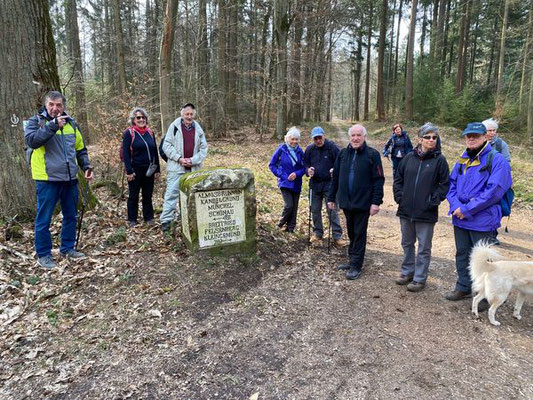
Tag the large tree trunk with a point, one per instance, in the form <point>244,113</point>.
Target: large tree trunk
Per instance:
<point>359,57</point>
<point>396,51</point>
<point>295,108</point>
<point>27,42</point>
<point>165,63</point>
<point>380,105</point>
<point>80,110</point>
<point>530,110</point>
<point>219,125</point>
<point>121,63</point>
<point>410,64</point>
<point>368,53</point>
<point>232,62</point>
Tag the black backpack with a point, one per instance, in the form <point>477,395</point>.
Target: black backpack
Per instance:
<point>161,151</point>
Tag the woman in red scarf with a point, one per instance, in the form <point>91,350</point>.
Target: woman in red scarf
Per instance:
<point>139,150</point>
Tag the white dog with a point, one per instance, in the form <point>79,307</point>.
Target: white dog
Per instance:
<point>493,279</point>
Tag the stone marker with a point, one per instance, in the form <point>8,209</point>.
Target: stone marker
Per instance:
<point>218,210</point>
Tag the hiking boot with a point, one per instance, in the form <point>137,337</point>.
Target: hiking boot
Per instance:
<point>132,224</point>
<point>315,239</point>
<point>416,286</point>
<point>150,222</point>
<point>340,243</point>
<point>165,227</point>
<point>72,254</point>
<point>46,262</point>
<point>404,279</point>
<point>344,267</point>
<point>353,273</point>
<point>457,295</point>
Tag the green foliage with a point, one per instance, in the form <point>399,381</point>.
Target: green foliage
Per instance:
<point>119,236</point>
<point>52,316</point>
<point>33,279</point>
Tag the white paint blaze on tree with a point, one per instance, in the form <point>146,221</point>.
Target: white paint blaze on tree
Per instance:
<point>28,45</point>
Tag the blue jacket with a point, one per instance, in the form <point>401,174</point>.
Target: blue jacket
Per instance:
<point>398,146</point>
<point>135,153</point>
<point>322,159</point>
<point>281,166</point>
<point>477,192</point>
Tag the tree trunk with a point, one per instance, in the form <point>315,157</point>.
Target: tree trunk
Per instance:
<point>165,63</point>
<point>530,111</point>
<point>526,60</point>
<point>368,48</point>
<point>232,62</point>
<point>295,108</point>
<point>410,64</point>
<point>220,119</point>
<point>396,51</point>
<point>359,60</point>
<point>263,71</point>
<point>203,65</point>
<point>28,43</point>
<point>281,29</point>
<point>423,35</point>
<point>380,105</point>
<point>499,84</point>
<point>462,48</point>
<point>77,69</point>
<point>330,77</point>
<point>120,48</point>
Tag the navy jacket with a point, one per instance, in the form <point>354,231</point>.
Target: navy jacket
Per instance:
<point>368,179</point>
<point>322,159</point>
<point>135,153</point>
<point>398,146</point>
<point>281,166</point>
<point>420,185</point>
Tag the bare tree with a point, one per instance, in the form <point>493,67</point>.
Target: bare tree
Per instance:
<point>165,63</point>
<point>410,64</point>
<point>381,62</point>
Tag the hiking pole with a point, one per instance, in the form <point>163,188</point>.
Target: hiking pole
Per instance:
<point>309,219</point>
<point>328,211</point>
<point>84,195</point>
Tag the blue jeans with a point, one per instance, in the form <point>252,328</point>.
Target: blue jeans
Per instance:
<point>48,194</point>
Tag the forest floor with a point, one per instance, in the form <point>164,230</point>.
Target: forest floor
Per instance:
<point>143,318</point>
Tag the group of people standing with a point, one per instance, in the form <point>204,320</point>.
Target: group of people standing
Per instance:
<point>352,179</point>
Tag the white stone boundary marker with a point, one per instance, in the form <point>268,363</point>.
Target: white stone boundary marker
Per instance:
<point>218,210</point>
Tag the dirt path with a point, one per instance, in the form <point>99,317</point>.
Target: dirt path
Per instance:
<point>284,324</point>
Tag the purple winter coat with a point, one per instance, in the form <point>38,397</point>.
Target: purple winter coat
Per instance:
<point>478,192</point>
<point>281,166</point>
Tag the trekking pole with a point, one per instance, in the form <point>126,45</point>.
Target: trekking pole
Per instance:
<point>84,196</point>
<point>328,211</point>
<point>309,219</point>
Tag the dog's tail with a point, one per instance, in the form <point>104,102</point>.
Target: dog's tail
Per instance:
<point>481,259</point>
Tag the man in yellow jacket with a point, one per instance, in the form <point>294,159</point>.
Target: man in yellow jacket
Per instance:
<point>58,152</point>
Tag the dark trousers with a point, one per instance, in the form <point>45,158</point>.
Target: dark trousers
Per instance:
<point>143,184</point>
<point>395,164</point>
<point>357,225</point>
<point>464,242</point>
<point>290,209</point>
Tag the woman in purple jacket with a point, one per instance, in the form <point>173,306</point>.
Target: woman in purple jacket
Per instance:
<point>287,165</point>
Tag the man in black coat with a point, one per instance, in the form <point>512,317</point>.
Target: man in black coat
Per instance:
<point>357,187</point>
<point>319,159</point>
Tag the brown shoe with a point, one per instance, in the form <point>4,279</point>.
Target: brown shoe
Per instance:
<point>404,279</point>
<point>416,286</point>
<point>340,243</point>
<point>315,239</point>
<point>457,295</point>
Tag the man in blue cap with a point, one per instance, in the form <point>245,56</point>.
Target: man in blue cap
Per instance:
<point>319,159</point>
<point>475,192</point>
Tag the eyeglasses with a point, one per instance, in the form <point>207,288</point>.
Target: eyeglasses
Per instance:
<point>318,138</point>
<point>430,137</point>
<point>139,117</point>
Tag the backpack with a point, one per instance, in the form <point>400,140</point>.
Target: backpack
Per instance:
<point>132,134</point>
<point>498,145</point>
<point>161,151</point>
<point>506,202</point>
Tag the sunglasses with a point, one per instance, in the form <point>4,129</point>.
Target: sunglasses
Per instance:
<point>139,117</point>
<point>318,138</point>
<point>427,137</point>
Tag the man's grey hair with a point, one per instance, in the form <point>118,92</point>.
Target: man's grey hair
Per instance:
<point>490,124</point>
<point>427,128</point>
<point>135,111</point>
<point>54,95</point>
<point>292,133</point>
<point>182,112</point>
<point>357,127</point>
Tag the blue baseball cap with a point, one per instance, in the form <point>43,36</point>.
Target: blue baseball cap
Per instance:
<point>317,131</point>
<point>475,127</point>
